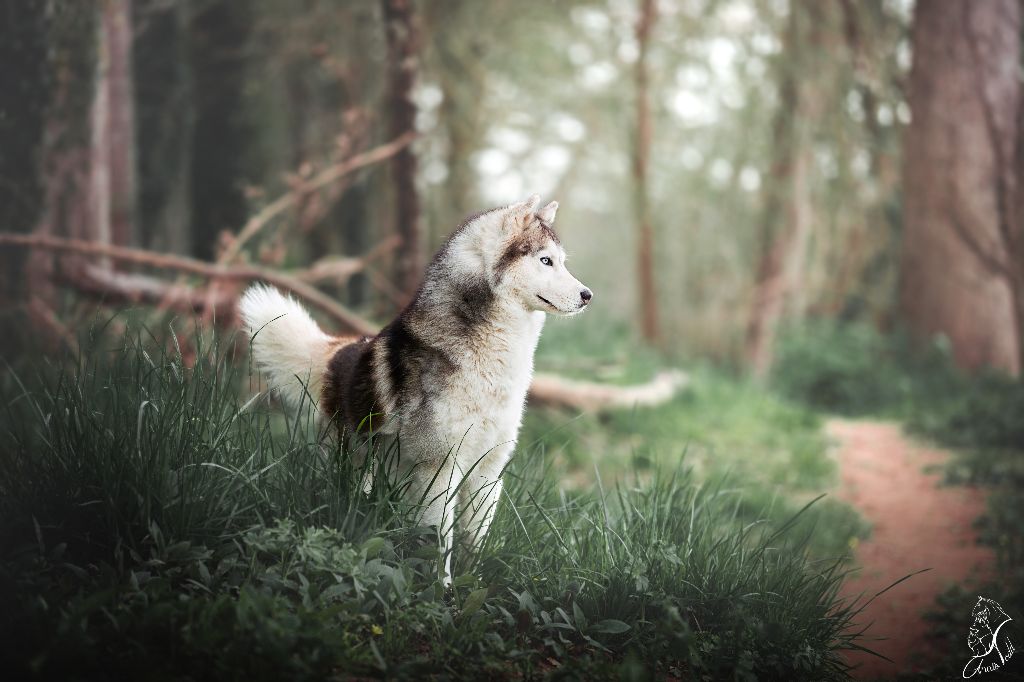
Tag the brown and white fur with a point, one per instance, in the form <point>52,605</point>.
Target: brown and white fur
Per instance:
<point>449,375</point>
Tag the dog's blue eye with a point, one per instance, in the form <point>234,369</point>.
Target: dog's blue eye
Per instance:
<point>546,261</point>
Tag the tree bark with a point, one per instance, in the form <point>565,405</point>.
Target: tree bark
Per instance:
<point>646,290</point>
<point>403,63</point>
<point>112,156</point>
<point>958,263</point>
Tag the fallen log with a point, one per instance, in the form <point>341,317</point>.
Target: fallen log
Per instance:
<point>555,391</point>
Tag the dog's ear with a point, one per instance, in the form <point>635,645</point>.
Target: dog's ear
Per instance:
<point>527,206</point>
<point>520,215</point>
<point>547,214</point>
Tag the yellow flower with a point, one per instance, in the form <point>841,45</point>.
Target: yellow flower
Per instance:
<point>376,630</point>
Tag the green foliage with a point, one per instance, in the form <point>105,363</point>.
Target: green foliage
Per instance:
<point>849,369</point>
<point>984,412</point>
<point>853,369</point>
<point>152,525</point>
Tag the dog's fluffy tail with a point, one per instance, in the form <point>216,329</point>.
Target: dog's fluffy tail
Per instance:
<point>287,345</point>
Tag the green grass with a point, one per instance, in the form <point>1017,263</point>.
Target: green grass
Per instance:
<point>156,523</point>
<point>767,447</point>
<point>727,431</point>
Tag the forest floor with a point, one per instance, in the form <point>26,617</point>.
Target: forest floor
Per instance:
<point>917,523</point>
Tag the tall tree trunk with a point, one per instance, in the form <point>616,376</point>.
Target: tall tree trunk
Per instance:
<point>786,213</point>
<point>120,122</point>
<point>112,145</point>
<point>646,289</point>
<point>958,263</point>
<point>403,62</point>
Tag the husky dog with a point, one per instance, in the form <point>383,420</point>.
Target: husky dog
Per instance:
<point>449,375</point>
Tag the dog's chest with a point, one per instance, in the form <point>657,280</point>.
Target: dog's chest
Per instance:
<point>483,403</point>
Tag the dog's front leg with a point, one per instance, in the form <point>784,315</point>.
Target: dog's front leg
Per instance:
<point>479,494</point>
<point>433,486</point>
<point>478,500</point>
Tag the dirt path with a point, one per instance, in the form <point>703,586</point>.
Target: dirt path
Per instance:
<point>915,524</point>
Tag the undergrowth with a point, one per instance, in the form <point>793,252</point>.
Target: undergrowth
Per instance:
<point>155,525</point>
<point>855,370</point>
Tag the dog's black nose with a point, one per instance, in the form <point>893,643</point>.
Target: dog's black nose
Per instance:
<point>586,295</point>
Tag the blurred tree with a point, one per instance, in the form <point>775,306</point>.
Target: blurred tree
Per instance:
<point>64,149</point>
<point>322,70</point>
<point>454,56</point>
<point>787,213</point>
<point>961,271</point>
<point>113,132</point>
<point>646,290</point>
<point>166,116</point>
<point>28,75</point>
<point>403,62</point>
<point>224,133</point>
<point>860,281</point>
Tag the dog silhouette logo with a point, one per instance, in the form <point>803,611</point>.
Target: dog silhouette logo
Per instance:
<point>987,638</point>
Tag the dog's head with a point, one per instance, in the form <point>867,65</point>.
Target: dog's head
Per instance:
<point>530,261</point>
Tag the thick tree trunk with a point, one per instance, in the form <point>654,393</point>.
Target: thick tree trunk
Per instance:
<point>403,62</point>
<point>646,289</point>
<point>964,97</point>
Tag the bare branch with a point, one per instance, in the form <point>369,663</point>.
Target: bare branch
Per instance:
<point>296,286</point>
<point>321,179</point>
<point>340,270</point>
